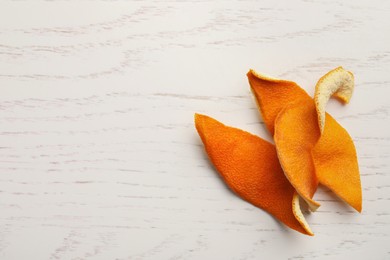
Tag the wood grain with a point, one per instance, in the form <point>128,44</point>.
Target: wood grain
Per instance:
<point>99,158</point>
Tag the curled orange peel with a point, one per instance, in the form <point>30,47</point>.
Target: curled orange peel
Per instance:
<point>295,136</point>
<point>272,95</point>
<point>336,163</point>
<point>338,83</point>
<point>250,167</point>
<point>307,152</point>
<point>296,208</point>
<point>333,155</point>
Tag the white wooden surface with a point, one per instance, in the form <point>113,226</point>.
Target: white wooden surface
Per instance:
<point>99,158</point>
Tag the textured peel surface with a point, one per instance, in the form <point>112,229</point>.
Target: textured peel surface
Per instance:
<point>250,167</point>
<point>338,83</point>
<point>296,133</point>
<point>333,156</point>
<point>272,95</point>
<point>336,163</point>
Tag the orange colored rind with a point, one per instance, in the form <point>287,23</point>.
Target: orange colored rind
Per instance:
<point>336,164</point>
<point>249,166</point>
<point>338,83</point>
<point>296,133</point>
<point>296,208</point>
<point>335,150</point>
<point>272,95</point>
<point>307,152</point>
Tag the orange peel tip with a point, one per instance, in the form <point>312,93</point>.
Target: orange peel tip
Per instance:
<point>338,83</point>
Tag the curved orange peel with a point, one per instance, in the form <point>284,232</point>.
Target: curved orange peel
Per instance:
<point>296,208</point>
<point>295,136</point>
<point>336,164</point>
<point>334,155</point>
<point>272,95</point>
<point>338,83</point>
<point>249,166</point>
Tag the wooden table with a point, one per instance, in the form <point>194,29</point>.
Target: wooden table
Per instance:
<point>99,157</point>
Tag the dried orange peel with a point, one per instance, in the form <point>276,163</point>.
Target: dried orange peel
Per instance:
<point>331,155</point>
<point>273,94</point>
<point>250,167</point>
<point>336,163</point>
<point>307,151</point>
<point>295,136</point>
<point>296,209</point>
<point>338,83</point>
<point>334,155</point>
<point>272,97</point>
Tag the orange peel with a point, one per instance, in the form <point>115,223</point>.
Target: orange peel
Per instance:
<point>338,83</point>
<point>296,207</point>
<point>273,94</point>
<point>250,167</point>
<point>295,136</point>
<point>333,156</point>
<point>336,163</point>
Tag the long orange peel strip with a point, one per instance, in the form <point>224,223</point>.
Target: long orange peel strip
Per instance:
<point>338,83</point>
<point>336,163</point>
<point>249,165</point>
<point>334,155</point>
<point>295,136</point>
<point>335,149</point>
<point>272,96</point>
